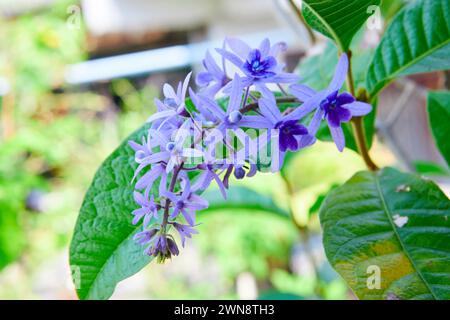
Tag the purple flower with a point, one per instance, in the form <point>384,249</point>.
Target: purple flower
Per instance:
<point>186,204</point>
<point>163,247</point>
<point>173,105</point>
<point>214,78</point>
<point>290,131</point>
<point>148,210</point>
<point>232,118</point>
<point>259,65</point>
<point>211,168</point>
<point>145,237</point>
<point>185,231</point>
<point>173,152</point>
<point>334,107</point>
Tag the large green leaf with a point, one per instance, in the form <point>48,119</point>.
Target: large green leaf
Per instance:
<point>417,41</point>
<point>397,222</point>
<point>239,198</point>
<point>338,20</point>
<point>439,113</point>
<point>102,252</point>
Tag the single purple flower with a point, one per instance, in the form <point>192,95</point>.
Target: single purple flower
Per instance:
<point>214,78</point>
<point>185,231</point>
<point>289,129</point>
<point>148,210</point>
<point>334,107</point>
<point>211,168</point>
<point>145,237</point>
<point>186,204</point>
<point>259,65</point>
<point>173,152</point>
<point>232,118</point>
<point>172,106</point>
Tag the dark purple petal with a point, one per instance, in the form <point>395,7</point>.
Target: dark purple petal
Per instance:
<point>345,98</point>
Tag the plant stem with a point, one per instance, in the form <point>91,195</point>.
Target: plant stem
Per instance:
<point>299,14</point>
<point>357,122</point>
<point>254,106</point>
<point>171,188</point>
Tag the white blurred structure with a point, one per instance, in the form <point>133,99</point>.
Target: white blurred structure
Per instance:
<point>131,16</point>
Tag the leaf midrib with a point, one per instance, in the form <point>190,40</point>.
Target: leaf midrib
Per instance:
<point>338,40</point>
<point>387,211</point>
<point>390,78</point>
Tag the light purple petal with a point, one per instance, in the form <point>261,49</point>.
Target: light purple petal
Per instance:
<point>358,109</point>
<point>340,74</point>
<point>302,92</point>
<point>338,137</point>
<point>139,198</point>
<point>185,86</point>
<point>264,47</point>
<point>269,109</point>
<point>212,66</point>
<point>213,106</point>
<point>255,122</point>
<point>234,103</point>
<point>231,57</point>
<point>149,178</point>
<point>239,47</point>
<point>314,125</point>
<point>265,92</point>
<point>169,92</point>
<point>284,78</point>
<point>308,106</point>
<point>189,216</point>
<point>161,115</point>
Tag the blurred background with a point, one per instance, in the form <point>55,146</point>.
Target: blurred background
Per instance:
<point>77,77</point>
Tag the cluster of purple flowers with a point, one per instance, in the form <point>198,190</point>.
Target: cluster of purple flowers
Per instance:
<point>230,127</point>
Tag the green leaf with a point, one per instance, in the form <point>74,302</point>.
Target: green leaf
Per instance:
<point>417,41</point>
<point>393,221</point>
<point>338,20</point>
<point>239,198</point>
<point>430,169</point>
<point>102,252</point>
<point>12,240</point>
<point>439,113</point>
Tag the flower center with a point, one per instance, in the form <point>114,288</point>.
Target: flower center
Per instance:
<point>234,117</point>
<point>170,146</point>
<point>180,205</point>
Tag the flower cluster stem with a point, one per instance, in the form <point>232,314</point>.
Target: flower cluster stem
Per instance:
<point>173,182</point>
<point>357,122</point>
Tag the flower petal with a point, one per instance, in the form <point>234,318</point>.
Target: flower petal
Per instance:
<point>239,47</point>
<point>269,109</point>
<point>302,92</point>
<point>340,74</point>
<point>231,57</point>
<point>255,122</point>
<point>338,137</point>
<point>359,109</point>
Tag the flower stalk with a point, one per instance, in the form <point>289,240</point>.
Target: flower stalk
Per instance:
<point>358,124</point>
